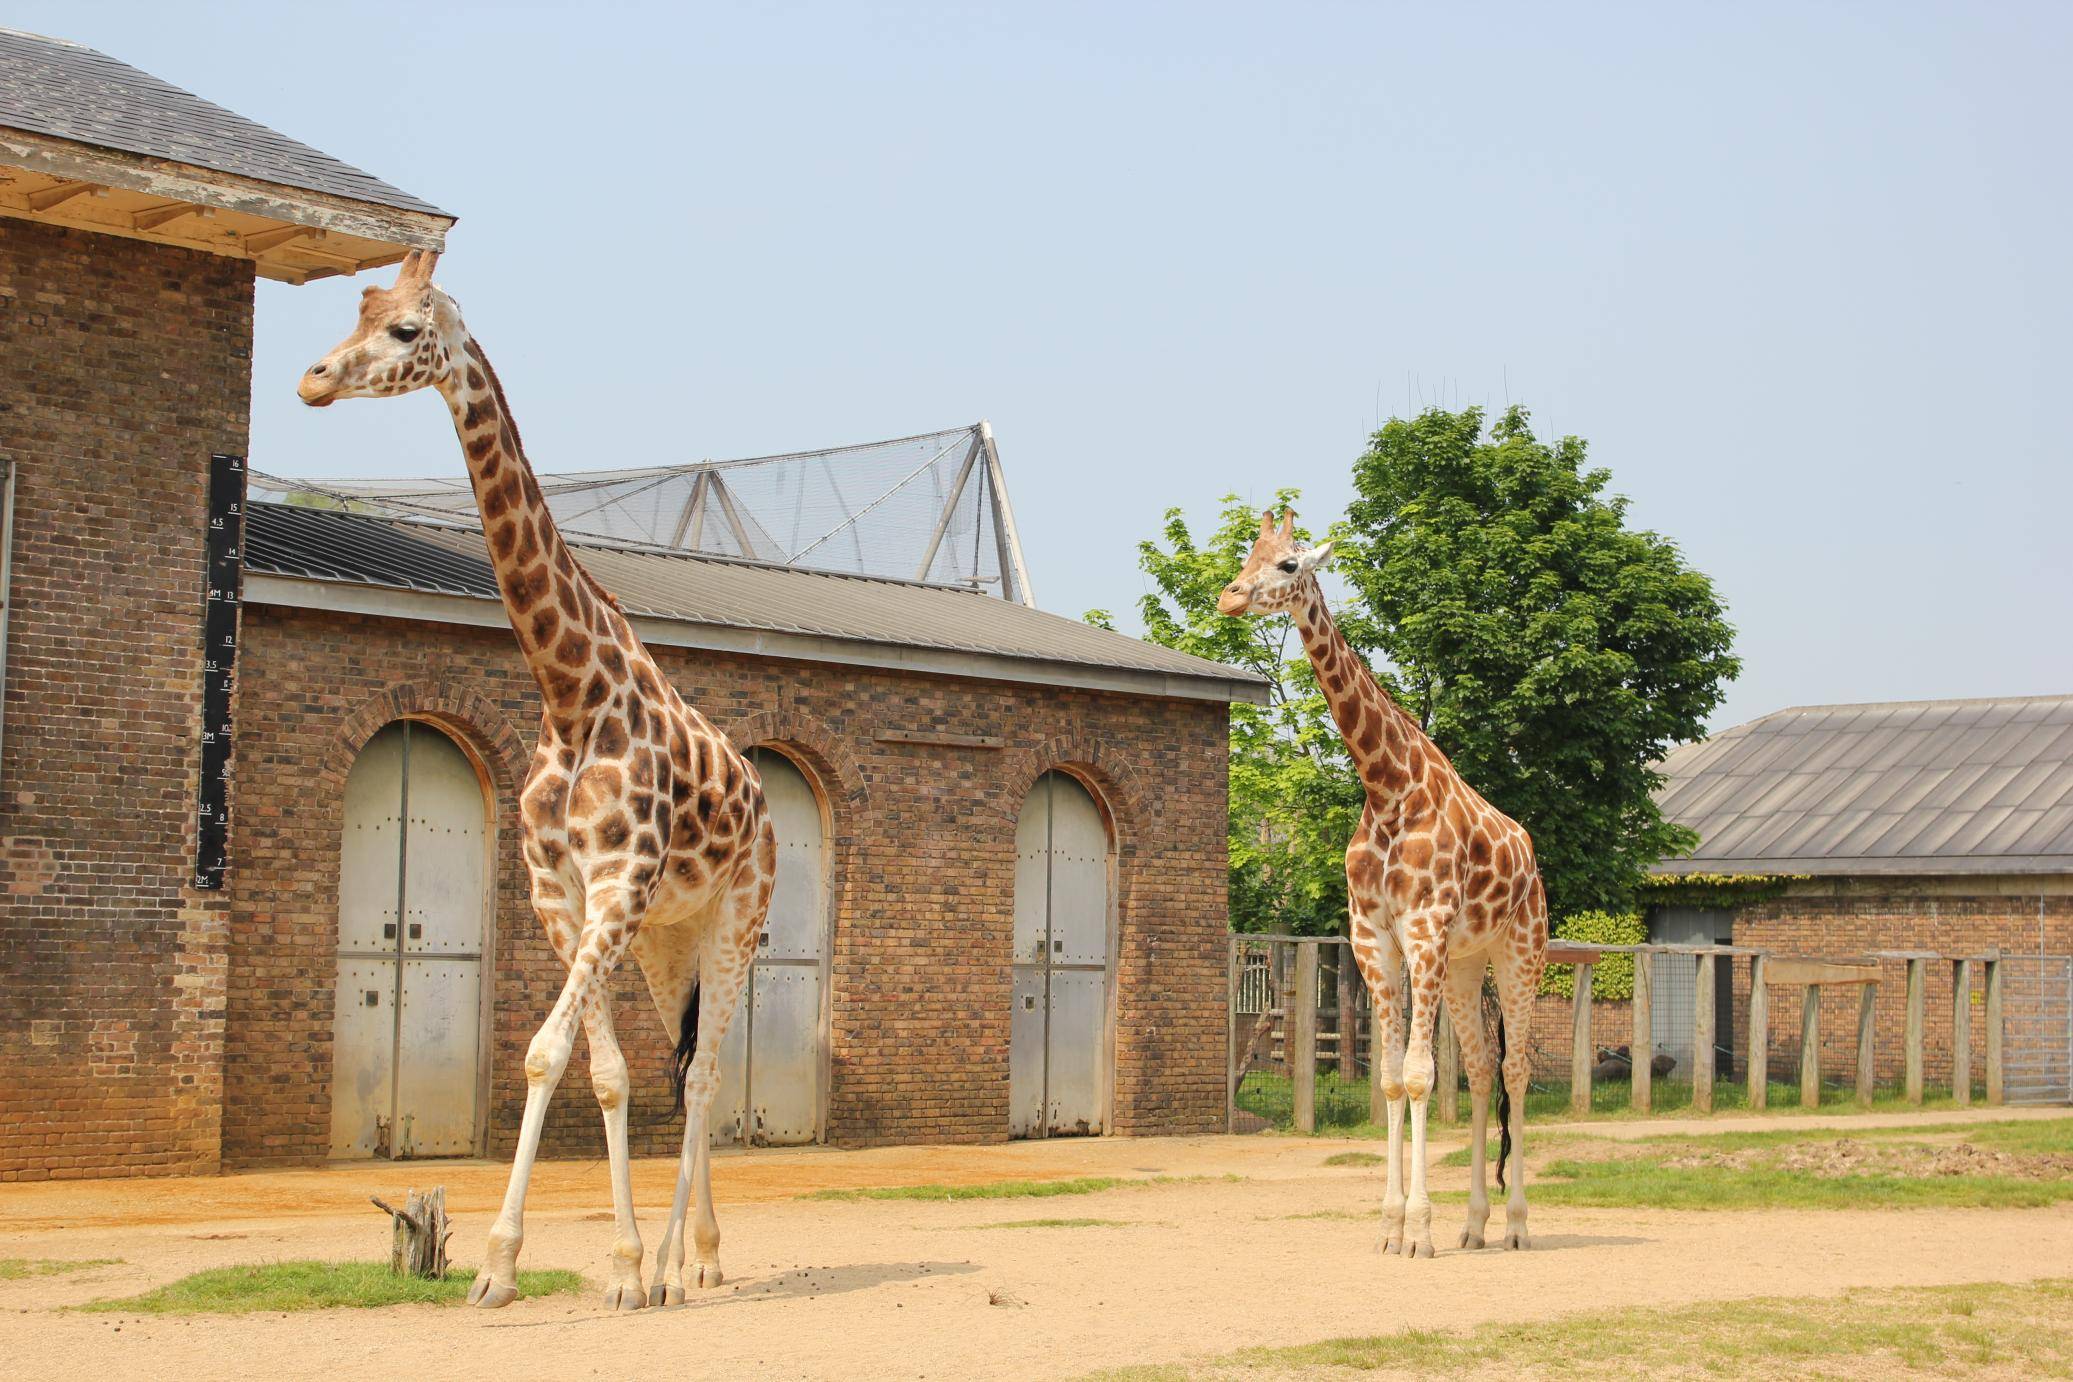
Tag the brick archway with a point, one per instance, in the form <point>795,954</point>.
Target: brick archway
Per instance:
<point>1111,778</point>
<point>816,744</point>
<point>477,723</point>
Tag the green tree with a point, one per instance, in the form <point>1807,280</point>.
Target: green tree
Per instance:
<point>1554,653</point>
<point>1293,799</point>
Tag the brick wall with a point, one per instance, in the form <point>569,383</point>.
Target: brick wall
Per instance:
<point>122,366</point>
<point>923,849</point>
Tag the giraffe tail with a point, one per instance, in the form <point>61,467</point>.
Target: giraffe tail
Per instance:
<point>1504,1108</point>
<point>687,1046</point>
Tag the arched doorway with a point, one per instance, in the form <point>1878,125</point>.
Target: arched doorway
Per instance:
<point>773,1063</point>
<point>413,903</point>
<point>1059,1034</point>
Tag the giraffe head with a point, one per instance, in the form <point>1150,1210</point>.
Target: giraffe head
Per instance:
<point>407,337</point>
<point>1275,571</point>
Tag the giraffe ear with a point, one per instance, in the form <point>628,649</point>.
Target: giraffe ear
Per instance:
<point>1318,556</point>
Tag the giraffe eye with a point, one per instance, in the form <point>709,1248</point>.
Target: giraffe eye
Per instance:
<point>406,332</point>
<point>1289,566</point>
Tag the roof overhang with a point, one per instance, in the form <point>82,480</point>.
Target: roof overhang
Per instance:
<point>288,233</point>
<point>426,607</point>
<point>1941,866</point>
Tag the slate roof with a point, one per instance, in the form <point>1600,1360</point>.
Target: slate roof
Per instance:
<point>398,554</point>
<point>1905,787</point>
<point>54,87</point>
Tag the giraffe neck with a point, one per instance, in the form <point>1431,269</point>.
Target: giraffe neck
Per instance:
<point>555,607</point>
<point>1381,738</point>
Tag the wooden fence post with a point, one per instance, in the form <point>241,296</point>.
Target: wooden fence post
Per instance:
<point>1961,1032</point>
<point>1992,964</point>
<point>1302,1038</point>
<point>1702,1038</point>
<point>1446,1079</point>
<point>1917,1007</point>
<point>1810,1047</point>
<point>1581,1056</point>
<point>1642,1047</point>
<point>1867,1015</point>
<point>1759,1035</point>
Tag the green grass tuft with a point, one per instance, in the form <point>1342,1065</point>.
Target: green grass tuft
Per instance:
<point>22,1268</point>
<point>1009,1189</point>
<point>314,1286</point>
<point>1359,1159</point>
<point>2016,1329</point>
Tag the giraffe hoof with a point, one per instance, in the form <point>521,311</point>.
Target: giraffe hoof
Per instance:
<point>1517,1240</point>
<point>666,1293</point>
<point>489,1294</point>
<point>1423,1249</point>
<point>622,1297</point>
<point>1392,1246</point>
<point>709,1275</point>
<point>1471,1240</point>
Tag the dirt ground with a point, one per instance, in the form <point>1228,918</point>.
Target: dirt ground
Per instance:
<point>927,1289</point>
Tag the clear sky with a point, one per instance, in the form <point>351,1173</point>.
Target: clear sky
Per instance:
<point>1800,273</point>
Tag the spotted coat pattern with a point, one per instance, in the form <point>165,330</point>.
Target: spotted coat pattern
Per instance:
<point>642,827</point>
<point>1441,886</point>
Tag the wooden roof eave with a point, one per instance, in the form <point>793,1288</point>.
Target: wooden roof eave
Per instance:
<point>306,234</point>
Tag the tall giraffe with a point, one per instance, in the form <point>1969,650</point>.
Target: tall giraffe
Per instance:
<point>1439,882</point>
<point>643,828</point>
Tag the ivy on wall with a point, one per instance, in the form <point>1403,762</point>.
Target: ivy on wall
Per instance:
<point>1724,891</point>
<point>1613,976</point>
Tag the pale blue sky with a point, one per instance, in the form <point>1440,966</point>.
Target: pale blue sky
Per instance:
<point>1799,273</point>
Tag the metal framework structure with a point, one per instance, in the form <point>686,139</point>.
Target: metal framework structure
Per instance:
<point>931,507</point>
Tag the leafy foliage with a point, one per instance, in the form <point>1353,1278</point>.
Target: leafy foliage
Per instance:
<point>1294,799</point>
<point>1612,977</point>
<point>1554,653</point>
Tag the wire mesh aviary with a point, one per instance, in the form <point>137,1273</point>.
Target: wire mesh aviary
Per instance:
<point>932,507</point>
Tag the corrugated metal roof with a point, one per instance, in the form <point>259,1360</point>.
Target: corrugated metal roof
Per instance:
<point>54,87</point>
<point>1929,787</point>
<point>359,549</point>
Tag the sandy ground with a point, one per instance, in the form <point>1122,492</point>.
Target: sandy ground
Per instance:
<point>918,1289</point>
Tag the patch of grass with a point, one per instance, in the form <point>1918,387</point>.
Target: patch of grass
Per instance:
<point>22,1268</point>
<point>1009,1189</point>
<point>1648,1184</point>
<point>1058,1223</point>
<point>314,1286</point>
<point>1360,1159</point>
<point>2023,1328</point>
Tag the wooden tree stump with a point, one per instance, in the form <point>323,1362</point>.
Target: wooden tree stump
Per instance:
<point>418,1245</point>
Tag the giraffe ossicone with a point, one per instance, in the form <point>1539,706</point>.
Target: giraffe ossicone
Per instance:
<point>642,827</point>
<point>1440,884</point>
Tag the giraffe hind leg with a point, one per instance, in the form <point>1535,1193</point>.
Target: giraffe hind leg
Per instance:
<point>1517,978</point>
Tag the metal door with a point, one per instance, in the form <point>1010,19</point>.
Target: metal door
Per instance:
<point>413,893</point>
<point>2037,1020</point>
<point>1058,1025</point>
<point>771,1060</point>
<point>1674,1000</point>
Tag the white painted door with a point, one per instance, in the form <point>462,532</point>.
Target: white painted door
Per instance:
<point>1057,1031</point>
<point>413,895</point>
<point>771,1061</point>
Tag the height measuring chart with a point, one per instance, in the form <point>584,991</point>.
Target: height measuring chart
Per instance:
<point>223,583</point>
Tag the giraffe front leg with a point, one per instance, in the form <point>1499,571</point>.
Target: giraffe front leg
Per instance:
<point>1464,1006</point>
<point>624,1289</point>
<point>1382,965</point>
<point>1424,963</point>
<point>496,1284</point>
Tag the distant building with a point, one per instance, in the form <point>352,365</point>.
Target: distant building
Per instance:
<point>1910,825</point>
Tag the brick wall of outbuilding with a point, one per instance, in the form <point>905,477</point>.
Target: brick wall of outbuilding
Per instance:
<point>923,848</point>
<point>123,365</point>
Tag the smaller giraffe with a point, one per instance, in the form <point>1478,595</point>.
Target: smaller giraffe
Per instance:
<point>1439,883</point>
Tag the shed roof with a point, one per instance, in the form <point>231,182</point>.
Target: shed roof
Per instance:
<point>104,146</point>
<point>56,87</point>
<point>304,557</point>
<point>1902,787</point>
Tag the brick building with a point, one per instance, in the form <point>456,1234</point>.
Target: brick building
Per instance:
<point>1941,826</point>
<point>995,812</point>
